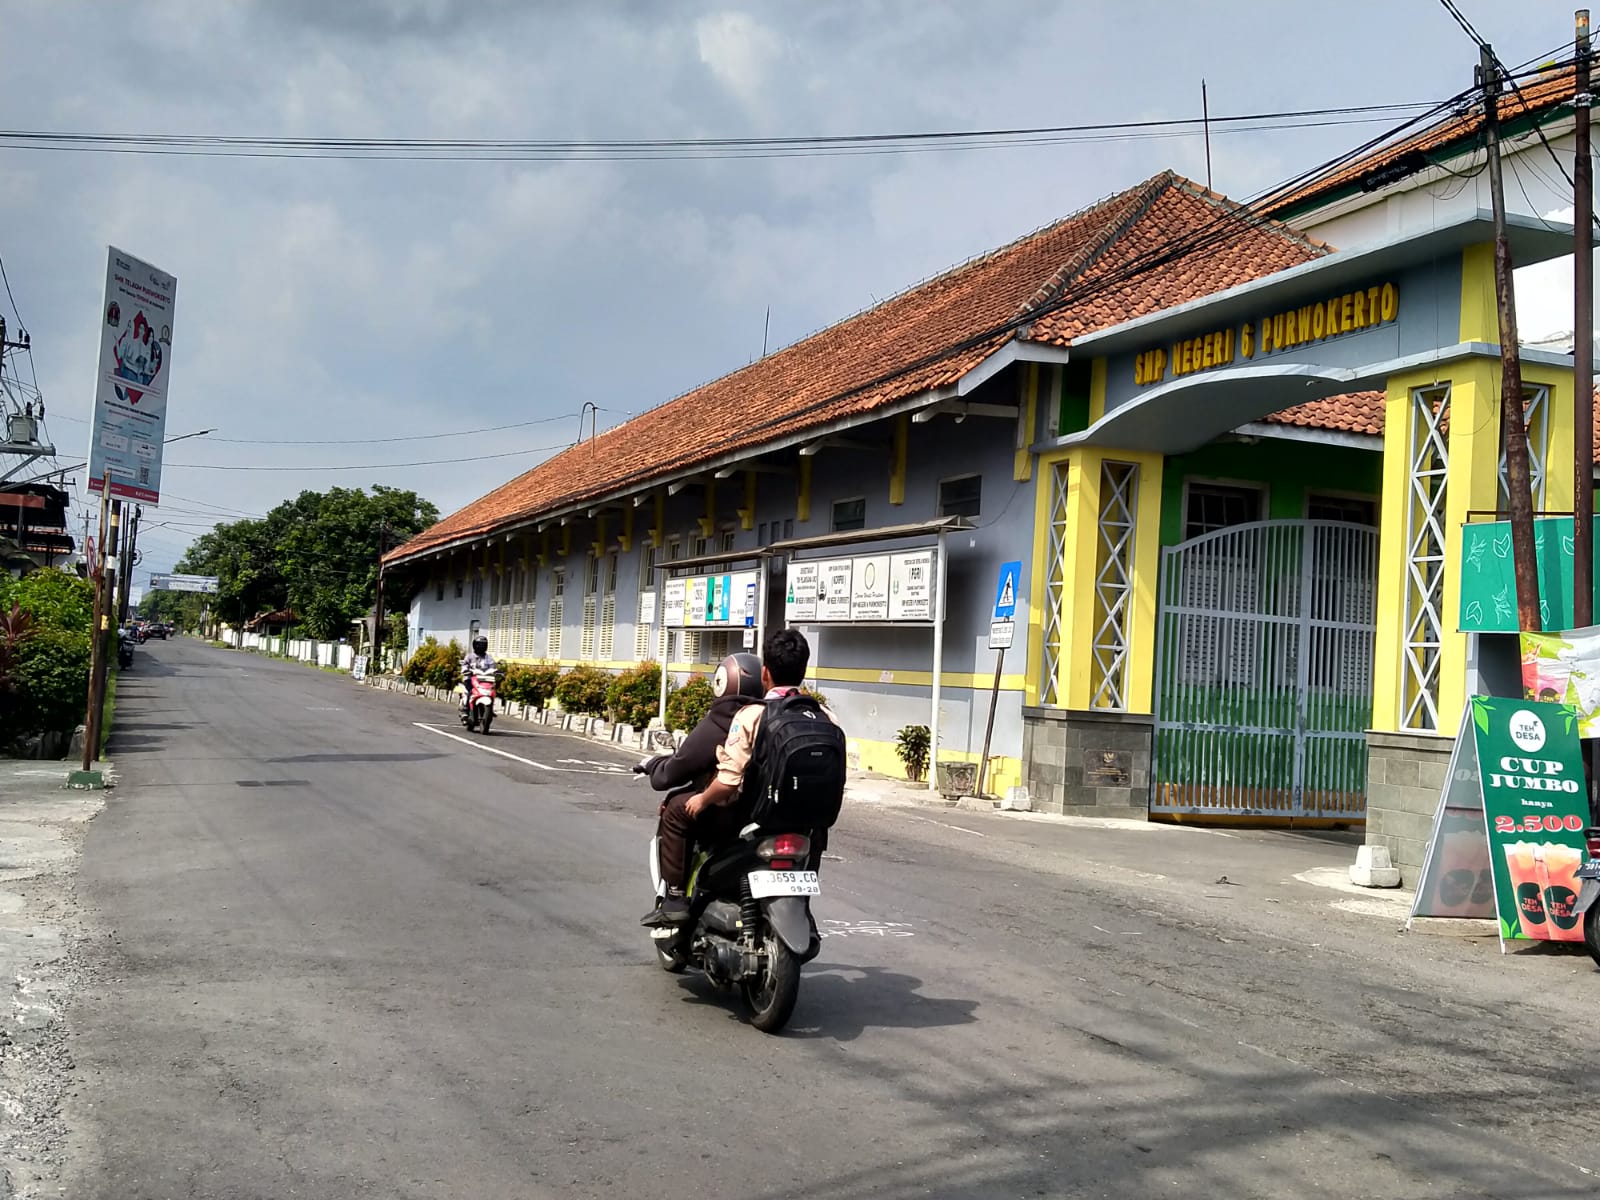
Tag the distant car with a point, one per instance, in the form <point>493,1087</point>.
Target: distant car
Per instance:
<point>157,629</point>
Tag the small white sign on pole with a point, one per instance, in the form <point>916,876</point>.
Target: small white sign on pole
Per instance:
<point>647,608</point>
<point>1001,633</point>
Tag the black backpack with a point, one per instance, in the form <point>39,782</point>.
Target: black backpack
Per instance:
<point>795,779</point>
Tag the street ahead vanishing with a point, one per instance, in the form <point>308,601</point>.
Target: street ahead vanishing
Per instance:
<point>337,953</point>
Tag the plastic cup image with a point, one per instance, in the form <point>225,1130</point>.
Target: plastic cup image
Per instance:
<point>1561,865</point>
<point>1523,861</point>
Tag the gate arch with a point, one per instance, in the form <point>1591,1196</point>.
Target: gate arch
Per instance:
<point>1264,656</point>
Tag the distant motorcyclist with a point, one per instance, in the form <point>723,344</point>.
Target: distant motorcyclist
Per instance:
<point>478,660</point>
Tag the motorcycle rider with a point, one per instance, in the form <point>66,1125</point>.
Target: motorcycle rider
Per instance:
<point>736,683</point>
<point>478,660</point>
<point>719,810</point>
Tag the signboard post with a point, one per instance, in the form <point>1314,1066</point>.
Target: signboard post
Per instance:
<point>130,401</point>
<point>1001,630</point>
<point>1508,837</point>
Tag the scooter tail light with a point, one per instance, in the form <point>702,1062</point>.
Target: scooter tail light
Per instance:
<point>1593,838</point>
<point>782,864</point>
<point>784,845</point>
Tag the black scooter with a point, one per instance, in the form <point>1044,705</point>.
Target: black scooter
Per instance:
<point>124,649</point>
<point>1588,906</point>
<point>750,927</point>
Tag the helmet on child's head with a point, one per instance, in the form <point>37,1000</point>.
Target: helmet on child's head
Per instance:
<point>480,645</point>
<point>738,675</point>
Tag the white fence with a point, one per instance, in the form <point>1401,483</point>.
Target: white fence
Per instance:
<point>322,654</point>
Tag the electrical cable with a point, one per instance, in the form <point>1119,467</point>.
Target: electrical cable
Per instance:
<point>680,147</point>
<point>430,462</point>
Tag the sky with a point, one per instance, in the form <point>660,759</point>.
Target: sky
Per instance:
<point>350,301</point>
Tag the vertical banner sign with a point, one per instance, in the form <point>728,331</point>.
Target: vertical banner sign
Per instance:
<point>1519,765</point>
<point>130,401</point>
<point>833,590</point>
<point>911,586</point>
<point>869,589</point>
<point>672,602</point>
<point>800,596</point>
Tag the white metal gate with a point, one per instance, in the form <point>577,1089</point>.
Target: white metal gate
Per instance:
<point>1263,689</point>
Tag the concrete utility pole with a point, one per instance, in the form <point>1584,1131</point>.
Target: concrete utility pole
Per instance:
<point>1583,339</point>
<point>377,603</point>
<point>1513,426</point>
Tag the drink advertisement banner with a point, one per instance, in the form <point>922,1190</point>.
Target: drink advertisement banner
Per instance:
<point>1522,760</point>
<point>130,402</point>
<point>869,589</point>
<point>800,596</point>
<point>833,590</point>
<point>911,586</point>
<point>1564,668</point>
<point>672,603</point>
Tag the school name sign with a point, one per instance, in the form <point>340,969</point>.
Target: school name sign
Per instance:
<point>1350,312</point>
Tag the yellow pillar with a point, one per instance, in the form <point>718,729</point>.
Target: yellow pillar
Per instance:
<point>1078,675</point>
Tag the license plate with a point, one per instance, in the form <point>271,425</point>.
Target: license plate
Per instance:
<point>784,883</point>
<point>1590,869</point>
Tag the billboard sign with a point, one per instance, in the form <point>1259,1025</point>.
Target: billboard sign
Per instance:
<point>130,402</point>
<point>182,583</point>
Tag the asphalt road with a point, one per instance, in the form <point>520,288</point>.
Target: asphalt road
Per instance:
<point>341,955</point>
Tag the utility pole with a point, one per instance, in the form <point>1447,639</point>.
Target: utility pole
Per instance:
<point>125,581</point>
<point>377,604</point>
<point>1513,427</point>
<point>97,643</point>
<point>1583,339</point>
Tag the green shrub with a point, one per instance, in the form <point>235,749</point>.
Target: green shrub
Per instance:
<point>815,695</point>
<point>688,704</point>
<point>416,668</point>
<point>912,748</point>
<point>445,670</point>
<point>546,675</point>
<point>634,696</point>
<point>44,652</point>
<point>582,690</point>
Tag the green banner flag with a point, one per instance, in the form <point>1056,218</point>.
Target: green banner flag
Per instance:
<point>1522,778</point>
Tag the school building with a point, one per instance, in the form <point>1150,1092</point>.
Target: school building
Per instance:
<point>1233,460</point>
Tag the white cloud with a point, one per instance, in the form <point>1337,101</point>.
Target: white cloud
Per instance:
<point>740,52</point>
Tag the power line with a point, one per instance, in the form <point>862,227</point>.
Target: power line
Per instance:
<point>430,462</point>
<point>22,325</point>
<point>416,149</point>
<point>415,437</point>
<point>1461,20</point>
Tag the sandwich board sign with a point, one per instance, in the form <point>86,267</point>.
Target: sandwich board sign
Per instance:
<point>1508,835</point>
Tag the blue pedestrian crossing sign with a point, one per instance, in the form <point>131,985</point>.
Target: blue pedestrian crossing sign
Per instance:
<point>1005,592</point>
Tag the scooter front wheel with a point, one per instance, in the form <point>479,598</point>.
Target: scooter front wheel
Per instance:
<point>488,719</point>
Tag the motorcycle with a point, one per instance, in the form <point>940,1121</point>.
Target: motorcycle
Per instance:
<point>750,927</point>
<point>479,708</point>
<point>1588,903</point>
<point>124,650</point>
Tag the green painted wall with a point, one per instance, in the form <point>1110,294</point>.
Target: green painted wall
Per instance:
<point>1288,469</point>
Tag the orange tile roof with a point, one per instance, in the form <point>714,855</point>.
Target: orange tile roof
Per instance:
<point>1069,272</point>
<point>1538,96</point>
<point>1357,412</point>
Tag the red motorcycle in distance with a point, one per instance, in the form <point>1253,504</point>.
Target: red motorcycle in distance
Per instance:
<point>479,711</point>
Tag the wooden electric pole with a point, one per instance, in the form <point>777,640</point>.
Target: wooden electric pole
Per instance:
<point>1513,427</point>
<point>1583,339</point>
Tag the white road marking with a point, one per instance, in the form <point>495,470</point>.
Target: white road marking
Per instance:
<point>958,828</point>
<point>596,769</point>
<point>455,737</point>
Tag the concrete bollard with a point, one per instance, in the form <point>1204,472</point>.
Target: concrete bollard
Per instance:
<point>1373,868</point>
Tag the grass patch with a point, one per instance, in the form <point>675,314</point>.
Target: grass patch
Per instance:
<point>108,710</point>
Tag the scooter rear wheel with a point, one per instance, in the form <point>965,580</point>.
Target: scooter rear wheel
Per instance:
<point>770,998</point>
<point>1591,932</point>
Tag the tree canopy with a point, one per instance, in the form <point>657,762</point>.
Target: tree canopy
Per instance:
<point>316,554</point>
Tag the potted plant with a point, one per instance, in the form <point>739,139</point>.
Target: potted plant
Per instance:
<point>911,747</point>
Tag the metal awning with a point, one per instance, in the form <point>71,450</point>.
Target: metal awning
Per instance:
<point>884,533</point>
<point>727,558</point>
